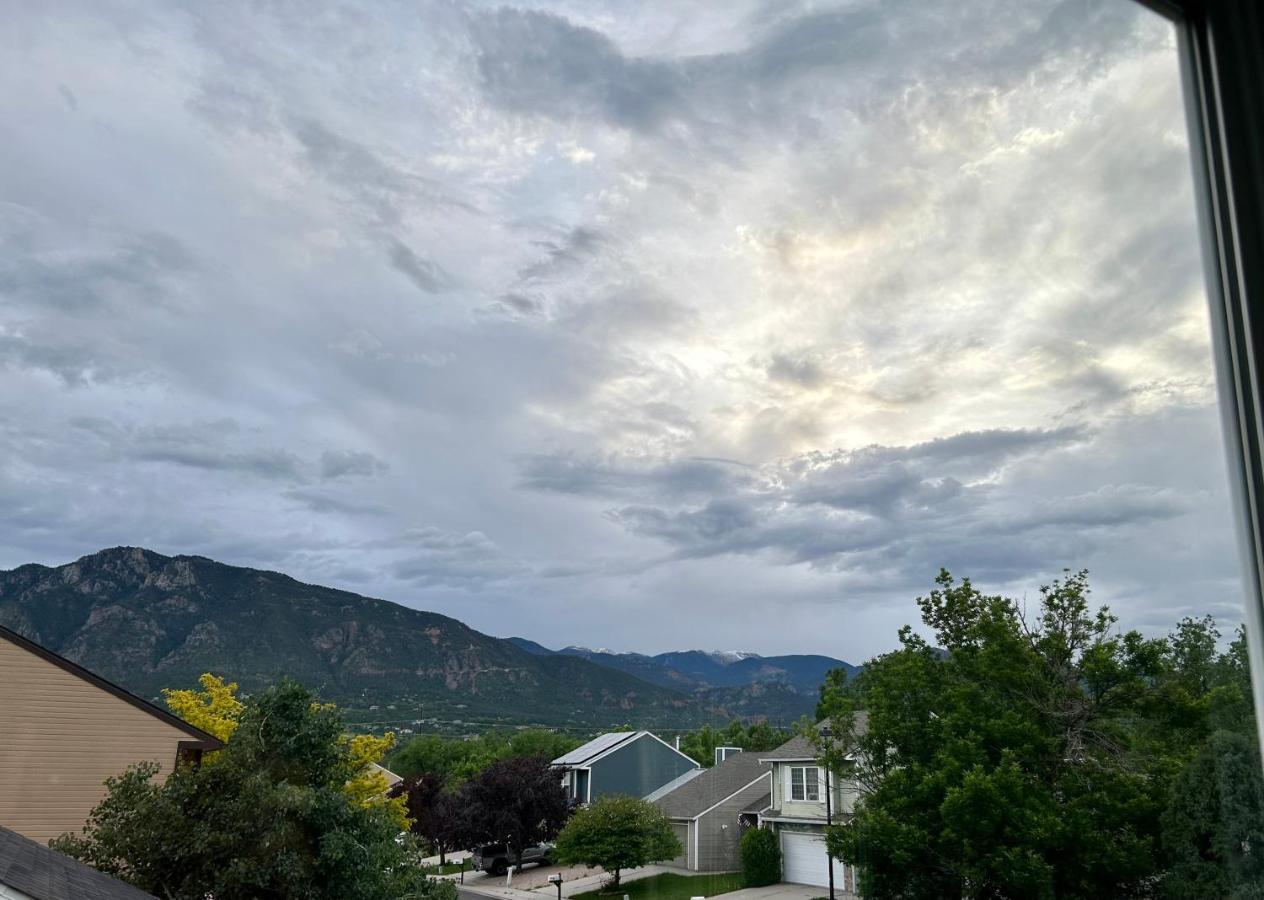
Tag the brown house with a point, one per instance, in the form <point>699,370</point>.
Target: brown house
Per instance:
<point>64,730</point>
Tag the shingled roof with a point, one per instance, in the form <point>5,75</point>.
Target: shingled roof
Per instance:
<point>699,794</point>
<point>799,749</point>
<point>44,874</point>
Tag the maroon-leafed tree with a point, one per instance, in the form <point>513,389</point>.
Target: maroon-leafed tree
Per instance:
<point>438,814</point>
<point>518,802</point>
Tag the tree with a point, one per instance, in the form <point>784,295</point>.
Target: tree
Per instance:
<point>518,801</point>
<point>215,709</point>
<point>270,818</point>
<point>1213,826</point>
<point>438,815</point>
<point>1009,762</point>
<point>459,759</point>
<point>617,832</point>
<point>761,857</point>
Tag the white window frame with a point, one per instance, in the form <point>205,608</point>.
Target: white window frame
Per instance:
<point>819,798</point>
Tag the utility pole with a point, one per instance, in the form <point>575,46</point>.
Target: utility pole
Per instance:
<point>827,733</point>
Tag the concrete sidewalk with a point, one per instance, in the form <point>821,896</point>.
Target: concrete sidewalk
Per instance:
<point>785,892</point>
<point>533,884</point>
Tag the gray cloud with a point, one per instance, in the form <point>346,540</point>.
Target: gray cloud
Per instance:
<point>138,270</point>
<point>426,274</point>
<point>341,463</point>
<point>531,61</point>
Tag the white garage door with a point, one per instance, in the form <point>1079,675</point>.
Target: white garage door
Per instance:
<point>803,860</point>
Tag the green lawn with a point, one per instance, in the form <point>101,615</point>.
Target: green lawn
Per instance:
<point>670,886</point>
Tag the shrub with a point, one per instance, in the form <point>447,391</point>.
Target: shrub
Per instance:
<point>761,857</point>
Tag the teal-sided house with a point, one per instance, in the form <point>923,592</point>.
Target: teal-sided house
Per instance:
<point>797,813</point>
<point>635,763</point>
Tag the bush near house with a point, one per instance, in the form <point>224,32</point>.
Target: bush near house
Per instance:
<point>761,857</point>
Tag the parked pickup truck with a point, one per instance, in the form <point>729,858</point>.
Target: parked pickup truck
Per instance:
<point>495,858</point>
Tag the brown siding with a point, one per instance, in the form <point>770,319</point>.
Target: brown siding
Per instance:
<point>60,737</point>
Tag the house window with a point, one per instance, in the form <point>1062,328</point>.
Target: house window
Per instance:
<point>805,783</point>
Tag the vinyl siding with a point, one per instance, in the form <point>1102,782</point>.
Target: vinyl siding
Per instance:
<point>719,848</point>
<point>681,830</point>
<point>638,768</point>
<point>843,794</point>
<point>60,737</point>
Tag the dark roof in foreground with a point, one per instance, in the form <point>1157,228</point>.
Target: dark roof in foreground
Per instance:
<point>699,794</point>
<point>45,874</point>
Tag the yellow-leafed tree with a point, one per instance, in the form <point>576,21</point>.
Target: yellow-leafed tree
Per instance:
<point>216,710</point>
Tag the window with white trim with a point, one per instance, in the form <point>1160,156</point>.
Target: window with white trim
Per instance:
<point>805,783</point>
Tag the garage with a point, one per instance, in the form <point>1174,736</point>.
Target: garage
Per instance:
<point>803,860</point>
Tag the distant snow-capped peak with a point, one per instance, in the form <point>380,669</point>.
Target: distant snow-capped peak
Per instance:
<point>727,657</point>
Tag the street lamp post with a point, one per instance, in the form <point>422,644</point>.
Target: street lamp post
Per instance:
<point>826,733</point>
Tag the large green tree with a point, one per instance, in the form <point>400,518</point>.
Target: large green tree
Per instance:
<point>617,832</point>
<point>268,819</point>
<point>1005,761</point>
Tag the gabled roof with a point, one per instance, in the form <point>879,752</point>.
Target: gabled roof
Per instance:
<point>800,749</point>
<point>670,786</point>
<point>608,743</point>
<point>697,795</point>
<point>198,739</point>
<point>44,874</point>
<point>596,746</point>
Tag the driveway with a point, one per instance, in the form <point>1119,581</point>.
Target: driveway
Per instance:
<point>785,892</point>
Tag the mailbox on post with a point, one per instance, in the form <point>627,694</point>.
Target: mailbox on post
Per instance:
<point>557,879</point>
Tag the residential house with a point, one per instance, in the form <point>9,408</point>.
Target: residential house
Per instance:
<point>64,730</point>
<point>621,762</point>
<point>31,871</point>
<point>711,808</point>
<point>797,812</point>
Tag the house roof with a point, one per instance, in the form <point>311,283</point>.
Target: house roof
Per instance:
<point>198,739</point>
<point>697,795</point>
<point>391,778</point>
<point>759,805</point>
<point>596,746</point>
<point>673,784</point>
<point>44,874</point>
<point>799,748</point>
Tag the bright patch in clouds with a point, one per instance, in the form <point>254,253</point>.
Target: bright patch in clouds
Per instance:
<point>631,330</point>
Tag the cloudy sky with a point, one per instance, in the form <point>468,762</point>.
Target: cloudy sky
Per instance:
<point>641,325</point>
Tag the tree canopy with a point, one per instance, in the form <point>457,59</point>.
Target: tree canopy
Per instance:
<point>458,759</point>
<point>617,832</point>
<point>1047,755</point>
<point>269,818</point>
<point>518,801</point>
<point>437,814</point>
<point>700,744</point>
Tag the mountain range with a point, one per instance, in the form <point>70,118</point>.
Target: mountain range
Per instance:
<point>695,670</point>
<point>149,621</point>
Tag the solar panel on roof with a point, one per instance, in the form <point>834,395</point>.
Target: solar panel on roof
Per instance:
<point>592,748</point>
